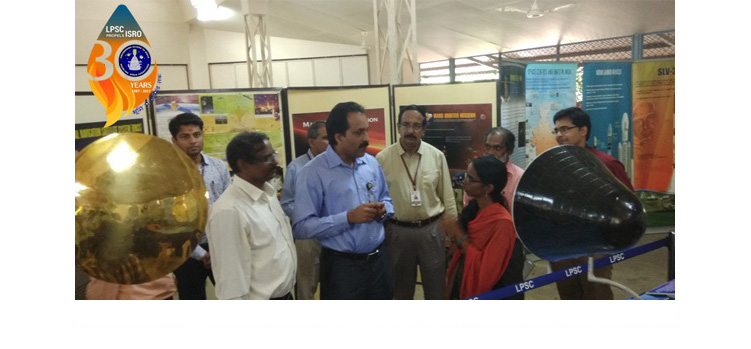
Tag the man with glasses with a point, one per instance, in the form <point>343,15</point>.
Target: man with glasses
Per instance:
<point>500,142</point>
<point>420,185</point>
<point>308,250</point>
<point>187,134</point>
<point>572,126</point>
<point>253,252</point>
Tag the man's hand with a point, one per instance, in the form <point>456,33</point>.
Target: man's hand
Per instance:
<point>206,259</point>
<point>364,213</point>
<point>381,207</point>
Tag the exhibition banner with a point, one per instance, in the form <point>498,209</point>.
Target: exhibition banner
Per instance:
<point>225,115</point>
<point>654,126</point>
<point>376,130</point>
<point>86,133</point>
<point>549,87</point>
<point>307,105</point>
<point>513,106</point>
<point>458,130</point>
<point>607,99</point>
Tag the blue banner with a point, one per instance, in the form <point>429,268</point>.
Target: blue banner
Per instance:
<point>549,88</point>
<point>606,92</point>
<point>526,285</point>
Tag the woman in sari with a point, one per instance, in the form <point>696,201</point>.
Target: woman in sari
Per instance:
<point>486,254</point>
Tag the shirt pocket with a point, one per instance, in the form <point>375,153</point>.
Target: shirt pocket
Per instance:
<point>429,180</point>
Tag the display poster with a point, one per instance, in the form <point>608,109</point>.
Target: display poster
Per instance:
<point>86,133</point>
<point>607,99</point>
<point>224,115</point>
<point>307,105</point>
<point>458,130</point>
<point>549,88</point>
<point>513,111</point>
<point>376,130</point>
<point>654,126</point>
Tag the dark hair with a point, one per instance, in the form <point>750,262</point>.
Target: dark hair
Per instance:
<point>315,128</point>
<point>245,145</point>
<point>491,171</point>
<point>577,116</point>
<point>420,109</point>
<point>509,140</point>
<point>184,119</point>
<point>337,120</point>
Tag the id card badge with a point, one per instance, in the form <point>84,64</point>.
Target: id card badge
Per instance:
<point>416,198</point>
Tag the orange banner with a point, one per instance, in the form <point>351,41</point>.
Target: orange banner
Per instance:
<point>654,126</point>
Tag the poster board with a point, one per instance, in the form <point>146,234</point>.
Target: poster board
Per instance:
<point>307,105</point>
<point>459,116</point>
<point>549,87</point>
<point>513,106</point>
<point>225,113</point>
<point>90,120</point>
<point>606,97</point>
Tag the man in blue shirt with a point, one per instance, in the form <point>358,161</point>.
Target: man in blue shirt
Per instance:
<point>341,200</point>
<point>187,134</point>
<point>308,250</point>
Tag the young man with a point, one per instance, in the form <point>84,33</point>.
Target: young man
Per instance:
<point>187,134</point>
<point>572,126</point>
<point>308,250</point>
<point>253,252</point>
<point>341,200</point>
<point>420,186</point>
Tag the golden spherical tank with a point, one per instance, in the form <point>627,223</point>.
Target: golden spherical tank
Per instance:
<point>141,208</point>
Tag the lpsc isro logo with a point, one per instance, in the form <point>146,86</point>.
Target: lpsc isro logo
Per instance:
<point>121,47</point>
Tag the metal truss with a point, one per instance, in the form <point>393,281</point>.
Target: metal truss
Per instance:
<point>396,44</point>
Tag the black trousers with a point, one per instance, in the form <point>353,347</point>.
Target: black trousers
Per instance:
<point>345,277</point>
<point>191,279</point>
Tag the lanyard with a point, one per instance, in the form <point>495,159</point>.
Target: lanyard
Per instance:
<point>417,170</point>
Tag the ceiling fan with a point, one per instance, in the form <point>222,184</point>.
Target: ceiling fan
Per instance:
<point>534,11</point>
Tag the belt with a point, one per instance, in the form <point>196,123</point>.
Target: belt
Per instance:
<point>416,224</point>
<point>357,256</point>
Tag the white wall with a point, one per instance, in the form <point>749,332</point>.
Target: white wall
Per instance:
<point>174,41</point>
<point>224,46</point>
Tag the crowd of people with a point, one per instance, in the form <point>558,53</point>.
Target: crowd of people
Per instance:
<point>361,225</point>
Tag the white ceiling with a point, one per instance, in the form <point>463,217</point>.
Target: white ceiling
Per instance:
<point>460,28</point>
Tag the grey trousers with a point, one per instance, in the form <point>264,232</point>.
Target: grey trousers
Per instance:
<point>410,247</point>
<point>308,252</point>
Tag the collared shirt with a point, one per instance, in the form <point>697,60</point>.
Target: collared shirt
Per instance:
<point>288,192</point>
<point>615,166</point>
<point>252,252</point>
<point>216,178</point>
<point>326,189</point>
<point>513,174</point>
<point>432,180</point>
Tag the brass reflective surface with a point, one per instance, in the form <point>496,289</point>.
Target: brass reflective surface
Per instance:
<point>141,207</point>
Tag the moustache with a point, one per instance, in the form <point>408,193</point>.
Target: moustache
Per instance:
<point>363,145</point>
<point>410,136</point>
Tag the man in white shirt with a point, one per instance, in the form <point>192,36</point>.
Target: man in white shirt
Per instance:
<point>252,250</point>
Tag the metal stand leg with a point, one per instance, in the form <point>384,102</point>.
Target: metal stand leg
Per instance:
<point>592,278</point>
<point>671,256</point>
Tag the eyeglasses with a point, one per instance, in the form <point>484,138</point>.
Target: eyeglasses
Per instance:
<point>416,127</point>
<point>468,179</point>
<point>562,129</point>
<point>268,159</point>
